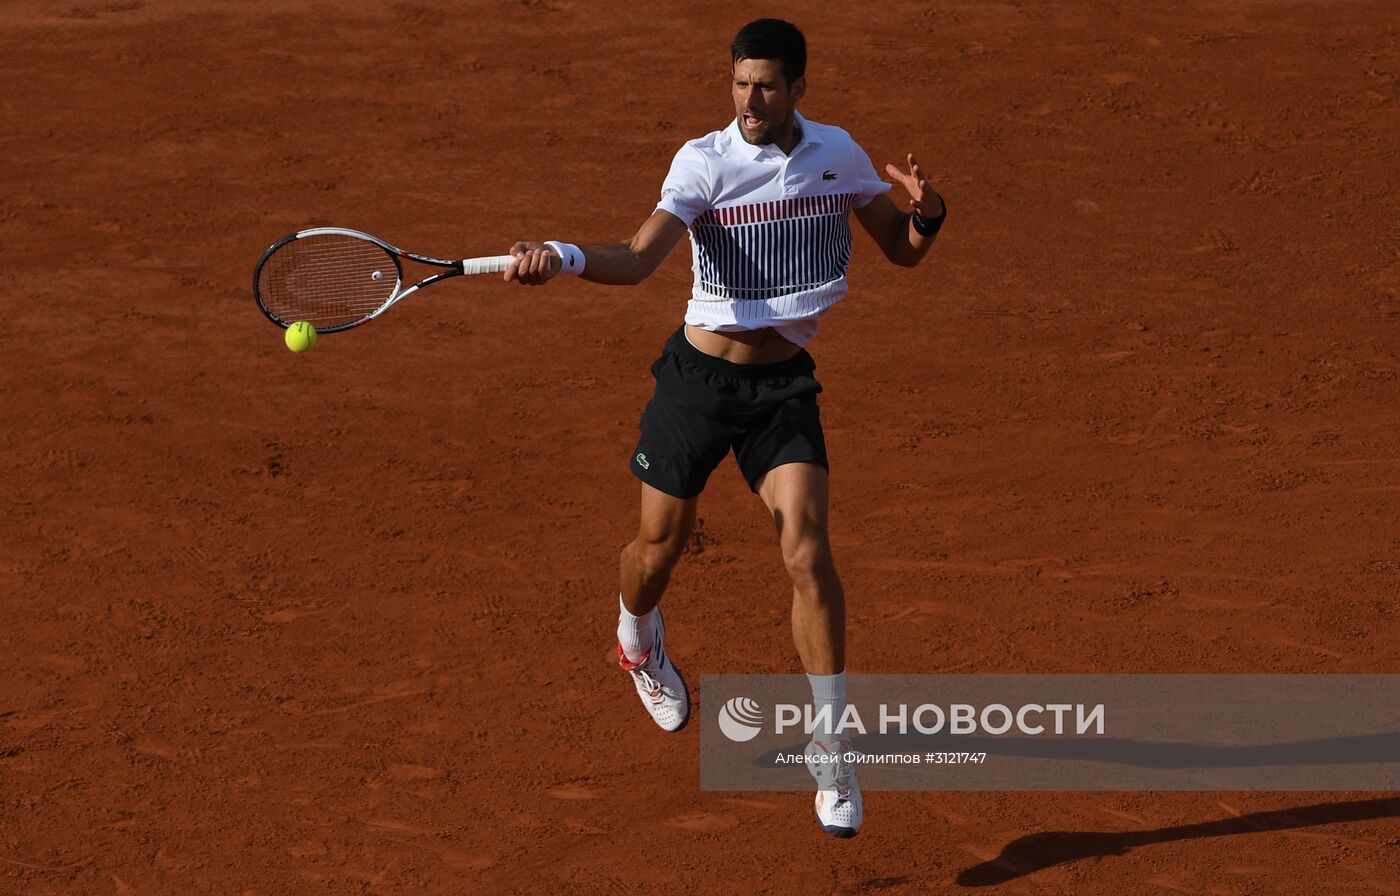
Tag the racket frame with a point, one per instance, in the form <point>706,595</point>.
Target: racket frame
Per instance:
<point>483,265</point>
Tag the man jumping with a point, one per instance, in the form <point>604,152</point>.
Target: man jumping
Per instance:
<point>767,204</point>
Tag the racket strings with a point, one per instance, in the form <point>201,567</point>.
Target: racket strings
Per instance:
<point>327,279</point>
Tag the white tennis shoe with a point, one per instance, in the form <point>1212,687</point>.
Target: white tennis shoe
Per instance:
<point>838,806</point>
<point>659,683</point>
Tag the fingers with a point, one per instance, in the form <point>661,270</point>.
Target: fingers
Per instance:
<point>913,179</point>
<point>922,197</point>
<point>914,184</point>
<point>915,170</point>
<point>539,265</point>
<point>532,266</point>
<point>516,251</point>
<point>917,175</point>
<point>896,174</point>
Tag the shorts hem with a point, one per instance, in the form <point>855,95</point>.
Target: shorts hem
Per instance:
<point>664,489</point>
<point>815,461</point>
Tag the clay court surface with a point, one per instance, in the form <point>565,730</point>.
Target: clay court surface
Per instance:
<point>343,622</point>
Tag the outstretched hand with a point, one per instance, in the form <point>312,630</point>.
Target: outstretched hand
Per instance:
<point>534,264</point>
<point>922,198</point>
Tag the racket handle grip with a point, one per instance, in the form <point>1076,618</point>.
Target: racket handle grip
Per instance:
<point>493,264</point>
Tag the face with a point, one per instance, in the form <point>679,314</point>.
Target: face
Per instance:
<point>763,99</point>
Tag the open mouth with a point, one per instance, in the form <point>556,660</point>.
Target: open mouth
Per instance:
<point>752,122</point>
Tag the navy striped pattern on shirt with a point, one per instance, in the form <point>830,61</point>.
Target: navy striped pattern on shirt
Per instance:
<point>766,250</point>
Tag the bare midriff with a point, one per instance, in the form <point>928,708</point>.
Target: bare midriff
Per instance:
<point>743,346</point>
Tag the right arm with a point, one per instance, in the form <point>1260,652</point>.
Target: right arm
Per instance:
<point>622,264</point>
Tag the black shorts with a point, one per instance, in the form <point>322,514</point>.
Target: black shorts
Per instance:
<point>703,406</point>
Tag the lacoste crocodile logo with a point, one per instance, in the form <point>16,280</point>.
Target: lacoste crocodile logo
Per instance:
<point>828,175</point>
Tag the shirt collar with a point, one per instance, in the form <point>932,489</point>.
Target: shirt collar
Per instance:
<point>750,151</point>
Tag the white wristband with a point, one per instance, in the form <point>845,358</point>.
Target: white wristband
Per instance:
<point>570,256</point>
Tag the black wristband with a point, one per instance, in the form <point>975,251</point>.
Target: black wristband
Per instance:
<point>926,227</point>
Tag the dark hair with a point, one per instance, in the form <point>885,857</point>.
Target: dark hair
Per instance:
<point>772,39</point>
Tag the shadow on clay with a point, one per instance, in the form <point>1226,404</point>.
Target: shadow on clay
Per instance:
<point>1036,852</point>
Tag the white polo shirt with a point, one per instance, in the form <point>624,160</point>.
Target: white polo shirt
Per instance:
<point>770,232</point>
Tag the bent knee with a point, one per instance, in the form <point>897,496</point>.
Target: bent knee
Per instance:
<point>809,564</point>
<point>655,559</point>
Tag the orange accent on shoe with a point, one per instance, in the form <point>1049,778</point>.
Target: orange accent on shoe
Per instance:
<point>626,664</point>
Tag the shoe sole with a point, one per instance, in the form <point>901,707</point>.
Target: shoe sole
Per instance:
<point>843,833</point>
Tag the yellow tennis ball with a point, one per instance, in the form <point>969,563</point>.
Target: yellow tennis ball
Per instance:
<point>301,336</point>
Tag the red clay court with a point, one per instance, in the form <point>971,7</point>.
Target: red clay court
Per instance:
<point>343,622</point>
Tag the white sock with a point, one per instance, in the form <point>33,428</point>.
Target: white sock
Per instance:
<point>828,692</point>
<point>635,633</point>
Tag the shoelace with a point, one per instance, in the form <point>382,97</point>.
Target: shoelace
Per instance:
<point>639,672</point>
<point>653,687</point>
<point>842,771</point>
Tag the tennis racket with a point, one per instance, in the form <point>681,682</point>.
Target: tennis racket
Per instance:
<point>338,279</point>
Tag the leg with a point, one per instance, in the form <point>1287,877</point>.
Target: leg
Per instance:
<point>677,450</point>
<point>796,495</point>
<point>647,562</point>
<point>641,635</point>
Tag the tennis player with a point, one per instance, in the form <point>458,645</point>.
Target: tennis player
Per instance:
<point>767,203</point>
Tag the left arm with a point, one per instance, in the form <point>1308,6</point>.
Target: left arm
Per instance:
<point>893,230</point>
